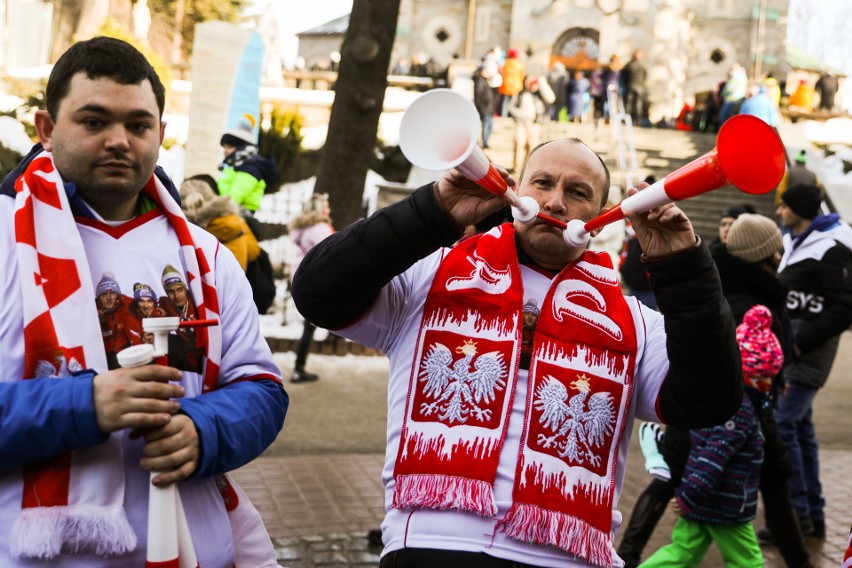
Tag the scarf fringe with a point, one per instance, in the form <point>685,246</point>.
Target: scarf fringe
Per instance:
<point>534,524</point>
<point>444,492</point>
<point>45,532</point>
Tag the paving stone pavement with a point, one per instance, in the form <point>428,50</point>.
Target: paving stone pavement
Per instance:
<point>318,509</point>
<point>319,490</point>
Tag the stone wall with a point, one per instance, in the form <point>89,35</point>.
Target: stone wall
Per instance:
<point>689,44</point>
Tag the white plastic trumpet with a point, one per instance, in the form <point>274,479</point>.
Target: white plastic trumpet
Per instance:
<point>169,541</point>
<point>439,131</point>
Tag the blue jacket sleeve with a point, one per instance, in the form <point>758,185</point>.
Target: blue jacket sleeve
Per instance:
<point>236,423</point>
<point>41,418</point>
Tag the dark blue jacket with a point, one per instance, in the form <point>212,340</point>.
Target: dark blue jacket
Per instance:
<point>720,482</point>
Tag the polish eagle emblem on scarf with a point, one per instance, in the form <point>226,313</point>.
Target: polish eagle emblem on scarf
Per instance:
<point>455,392</point>
<point>579,425</point>
<point>60,367</point>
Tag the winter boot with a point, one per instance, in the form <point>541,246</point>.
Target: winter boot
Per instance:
<point>300,375</point>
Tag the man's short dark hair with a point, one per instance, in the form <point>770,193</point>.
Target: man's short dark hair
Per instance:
<point>101,57</point>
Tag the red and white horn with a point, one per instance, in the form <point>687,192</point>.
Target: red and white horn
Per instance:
<point>439,131</point>
<point>748,154</point>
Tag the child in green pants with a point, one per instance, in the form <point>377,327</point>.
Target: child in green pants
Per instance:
<point>717,495</point>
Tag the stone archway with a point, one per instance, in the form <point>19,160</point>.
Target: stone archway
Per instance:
<point>577,48</point>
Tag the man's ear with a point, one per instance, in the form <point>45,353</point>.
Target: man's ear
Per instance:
<point>162,132</point>
<point>44,127</point>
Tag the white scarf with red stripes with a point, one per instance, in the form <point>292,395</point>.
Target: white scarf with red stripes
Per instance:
<point>463,379</point>
<point>74,502</point>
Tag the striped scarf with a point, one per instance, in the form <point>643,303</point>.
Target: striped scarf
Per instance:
<point>463,379</point>
<point>73,502</point>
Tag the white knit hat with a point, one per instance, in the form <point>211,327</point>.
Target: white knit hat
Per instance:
<point>240,134</point>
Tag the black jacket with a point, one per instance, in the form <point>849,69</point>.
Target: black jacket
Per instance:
<point>746,284</point>
<point>341,277</point>
<point>483,95</point>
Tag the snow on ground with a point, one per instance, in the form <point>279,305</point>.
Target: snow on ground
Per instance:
<point>13,135</point>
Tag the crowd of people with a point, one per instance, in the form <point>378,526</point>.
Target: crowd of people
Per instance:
<point>518,365</point>
<point>576,95</point>
<point>800,283</point>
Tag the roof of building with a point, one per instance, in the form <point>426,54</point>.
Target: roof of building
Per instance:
<point>337,26</point>
<point>801,60</point>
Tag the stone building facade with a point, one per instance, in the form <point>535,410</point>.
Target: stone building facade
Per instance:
<point>689,45</point>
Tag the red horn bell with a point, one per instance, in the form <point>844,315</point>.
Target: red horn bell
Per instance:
<point>748,154</point>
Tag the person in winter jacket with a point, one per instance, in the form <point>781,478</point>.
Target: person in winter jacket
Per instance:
<point>716,498</point>
<point>747,257</point>
<point>578,94</point>
<point>306,230</point>
<point>484,98</point>
<point>79,441</point>
<point>634,77</point>
<point>245,174</point>
<point>529,109</point>
<point>491,460</point>
<point>221,217</point>
<point>513,73</point>
<point>816,268</point>
<point>557,79</point>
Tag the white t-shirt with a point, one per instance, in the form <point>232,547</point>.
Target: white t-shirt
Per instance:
<point>392,325</point>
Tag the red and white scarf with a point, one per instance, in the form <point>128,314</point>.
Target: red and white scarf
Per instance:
<point>74,501</point>
<point>463,381</point>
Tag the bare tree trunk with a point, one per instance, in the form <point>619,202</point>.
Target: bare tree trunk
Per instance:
<point>358,100</point>
<point>66,14</point>
<point>92,16</point>
<point>177,38</point>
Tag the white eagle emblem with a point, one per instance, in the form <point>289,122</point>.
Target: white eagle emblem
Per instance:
<point>61,368</point>
<point>483,277</point>
<point>577,430</point>
<point>455,391</point>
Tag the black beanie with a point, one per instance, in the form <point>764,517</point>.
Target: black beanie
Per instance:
<point>803,200</point>
<point>736,211</point>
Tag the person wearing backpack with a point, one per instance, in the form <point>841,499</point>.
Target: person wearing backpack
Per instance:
<point>306,230</point>
<point>220,216</point>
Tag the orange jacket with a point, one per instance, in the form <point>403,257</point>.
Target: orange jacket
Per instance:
<point>513,77</point>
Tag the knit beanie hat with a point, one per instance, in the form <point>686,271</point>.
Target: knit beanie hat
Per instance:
<point>803,200</point>
<point>531,307</point>
<point>241,134</point>
<point>171,276</point>
<point>760,349</point>
<point>753,237</point>
<point>107,284</point>
<point>736,211</point>
<point>143,291</point>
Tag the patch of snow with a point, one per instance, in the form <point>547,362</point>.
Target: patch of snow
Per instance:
<point>832,131</point>
<point>9,102</point>
<point>13,135</point>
